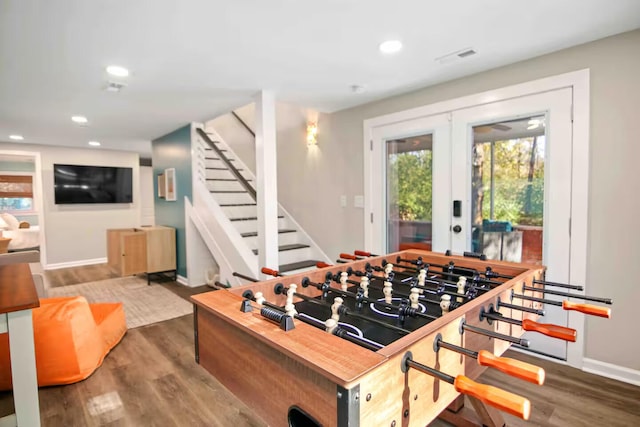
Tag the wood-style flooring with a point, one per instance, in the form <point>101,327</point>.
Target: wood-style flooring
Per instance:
<point>151,379</point>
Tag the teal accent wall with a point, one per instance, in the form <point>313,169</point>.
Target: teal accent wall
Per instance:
<point>174,151</point>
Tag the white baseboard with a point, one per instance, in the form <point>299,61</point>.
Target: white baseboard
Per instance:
<point>612,371</point>
<point>182,280</point>
<point>75,263</point>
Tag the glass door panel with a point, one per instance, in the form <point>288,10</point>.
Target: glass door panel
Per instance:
<point>409,185</point>
<point>506,155</point>
<point>507,189</point>
<point>409,166</point>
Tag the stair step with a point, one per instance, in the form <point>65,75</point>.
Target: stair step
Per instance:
<point>297,265</point>
<point>226,179</point>
<point>237,204</point>
<point>287,247</point>
<point>218,158</point>
<point>255,233</point>
<point>222,169</point>
<point>249,218</point>
<point>228,191</point>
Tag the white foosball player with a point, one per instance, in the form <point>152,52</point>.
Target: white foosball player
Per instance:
<point>343,281</point>
<point>364,285</point>
<point>445,303</point>
<point>289,308</point>
<point>462,282</point>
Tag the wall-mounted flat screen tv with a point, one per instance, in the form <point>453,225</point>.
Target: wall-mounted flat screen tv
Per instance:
<point>92,184</point>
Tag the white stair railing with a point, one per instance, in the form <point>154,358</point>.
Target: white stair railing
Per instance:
<point>218,231</point>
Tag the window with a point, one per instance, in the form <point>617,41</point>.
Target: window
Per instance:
<point>16,193</point>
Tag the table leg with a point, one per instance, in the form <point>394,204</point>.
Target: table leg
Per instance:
<point>23,368</point>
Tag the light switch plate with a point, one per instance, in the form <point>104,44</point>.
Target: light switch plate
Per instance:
<point>358,202</point>
<point>343,201</point>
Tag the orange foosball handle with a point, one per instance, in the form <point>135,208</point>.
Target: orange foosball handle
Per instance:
<point>321,264</point>
<point>498,398</point>
<point>270,272</point>
<point>348,256</point>
<point>362,253</point>
<point>515,368</point>
<point>593,310</point>
<point>551,330</point>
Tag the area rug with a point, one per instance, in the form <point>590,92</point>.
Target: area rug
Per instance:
<point>143,304</point>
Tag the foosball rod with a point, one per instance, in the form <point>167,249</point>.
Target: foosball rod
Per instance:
<point>566,294</point>
<point>548,329</point>
<point>280,288</point>
<point>489,273</point>
<point>590,309</point>
<point>498,398</point>
<point>440,290</point>
<point>437,281</point>
<point>361,298</point>
<point>242,276</point>
<point>515,368</point>
<point>338,331</point>
<point>404,294</point>
<point>473,274</point>
<point>537,311</point>
<point>520,341</point>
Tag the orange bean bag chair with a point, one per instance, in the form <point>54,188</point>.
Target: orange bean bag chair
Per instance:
<point>72,338</point>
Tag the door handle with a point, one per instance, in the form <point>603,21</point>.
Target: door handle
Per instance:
<point>456,228</point>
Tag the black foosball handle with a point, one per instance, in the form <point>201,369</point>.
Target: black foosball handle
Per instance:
<point>468,254</point>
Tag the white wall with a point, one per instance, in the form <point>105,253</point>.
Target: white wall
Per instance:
<point>613,201</point>
<point>76,234</point>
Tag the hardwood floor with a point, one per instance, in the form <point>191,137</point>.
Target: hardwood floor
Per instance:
<point>151,379</point>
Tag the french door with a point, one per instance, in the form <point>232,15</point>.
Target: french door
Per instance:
<point>399,148</point>
<point>500,173</point>
<point>511,178</point>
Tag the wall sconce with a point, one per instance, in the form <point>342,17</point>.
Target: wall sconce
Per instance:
<point>312,134</point>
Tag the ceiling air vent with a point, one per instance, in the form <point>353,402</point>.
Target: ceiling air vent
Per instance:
<point>114,86</point>
<point>454,56</point>
<point>465,53</point>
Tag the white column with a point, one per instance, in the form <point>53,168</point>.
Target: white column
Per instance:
<point>267,180</point>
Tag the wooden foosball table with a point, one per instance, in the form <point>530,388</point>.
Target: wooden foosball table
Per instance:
<point>382,341</point>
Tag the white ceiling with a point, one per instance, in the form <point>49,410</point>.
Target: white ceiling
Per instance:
<point>192,60</point>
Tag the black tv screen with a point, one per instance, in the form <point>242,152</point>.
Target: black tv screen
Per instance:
<point>92,184</point>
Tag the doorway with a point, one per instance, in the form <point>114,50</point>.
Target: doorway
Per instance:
<point>23,200</point>
<point>502,210</point>
<point>518,153</point>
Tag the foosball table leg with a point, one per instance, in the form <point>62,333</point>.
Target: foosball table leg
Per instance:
<point>482,415</point>
<point>488,415</point>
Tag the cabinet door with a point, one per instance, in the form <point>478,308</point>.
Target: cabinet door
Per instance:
<point>161,249</point>
<point>134,253</point>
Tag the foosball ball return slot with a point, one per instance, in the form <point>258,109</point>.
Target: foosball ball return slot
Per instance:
<point>349,345</point>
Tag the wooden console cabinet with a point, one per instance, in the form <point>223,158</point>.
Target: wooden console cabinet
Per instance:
<point>142,250</point>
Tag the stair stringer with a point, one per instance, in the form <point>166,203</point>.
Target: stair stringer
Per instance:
<point>217,233</point>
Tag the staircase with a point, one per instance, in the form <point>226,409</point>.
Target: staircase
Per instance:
<point>231,186</point>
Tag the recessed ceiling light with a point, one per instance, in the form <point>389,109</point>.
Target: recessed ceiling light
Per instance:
<point>118,71</point>
<point>390,46</point>
<point>94,143</point>
<point>16,137</point>
<point>79,119</point>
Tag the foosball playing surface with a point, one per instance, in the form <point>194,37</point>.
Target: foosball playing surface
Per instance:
<point>382,341</point>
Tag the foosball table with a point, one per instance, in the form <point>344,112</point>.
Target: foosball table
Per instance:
<point>387,340</point>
